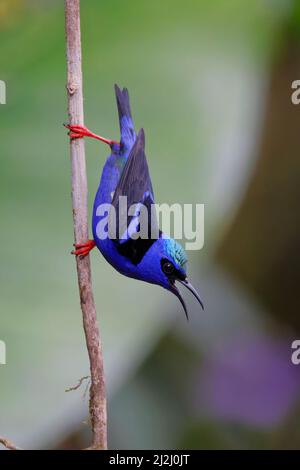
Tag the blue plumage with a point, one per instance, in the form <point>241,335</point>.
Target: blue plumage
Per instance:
<point>157,260</point>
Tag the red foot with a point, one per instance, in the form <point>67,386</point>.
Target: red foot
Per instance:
<point>77,132</point>
<point>83,249</point>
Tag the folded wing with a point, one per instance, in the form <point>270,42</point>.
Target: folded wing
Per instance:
<point>136,221</point>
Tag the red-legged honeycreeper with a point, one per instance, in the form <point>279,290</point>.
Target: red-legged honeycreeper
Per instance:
<point>158,260</point>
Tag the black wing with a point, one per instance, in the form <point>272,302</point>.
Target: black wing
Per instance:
<point>135,184</point>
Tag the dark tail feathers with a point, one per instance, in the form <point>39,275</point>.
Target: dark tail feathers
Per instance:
<point>125,119</point>
<point>122,97</point>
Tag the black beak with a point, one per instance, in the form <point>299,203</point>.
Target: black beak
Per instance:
<point>189,286</point>
<point>177,293</point>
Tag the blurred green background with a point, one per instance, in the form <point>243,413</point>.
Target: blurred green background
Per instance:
<point>210,81</point>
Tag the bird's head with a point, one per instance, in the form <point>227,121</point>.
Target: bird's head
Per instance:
<point>167,265</point>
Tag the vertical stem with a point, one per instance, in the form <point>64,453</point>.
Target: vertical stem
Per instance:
<point>80,220</point>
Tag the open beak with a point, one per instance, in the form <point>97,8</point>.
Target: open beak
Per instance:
<point>189,286</point>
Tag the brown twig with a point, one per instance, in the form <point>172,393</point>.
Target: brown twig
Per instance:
<point>79,202</point>
<point>76,387</point>
<point>8,444</point>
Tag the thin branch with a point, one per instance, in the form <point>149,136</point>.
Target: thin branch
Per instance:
<point>8,444</point>
<point>80,220</point>
<point>76,387</point>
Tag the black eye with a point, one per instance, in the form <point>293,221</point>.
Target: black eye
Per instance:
<point>167,267</point>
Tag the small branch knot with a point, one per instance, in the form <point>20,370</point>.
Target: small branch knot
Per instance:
<point>72,87</point>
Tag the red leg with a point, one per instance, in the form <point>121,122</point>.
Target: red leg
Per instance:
<point>77,132</point>
<point>83,249</point>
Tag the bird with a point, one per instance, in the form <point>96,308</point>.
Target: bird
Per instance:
<point>157,259</point>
